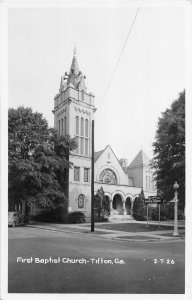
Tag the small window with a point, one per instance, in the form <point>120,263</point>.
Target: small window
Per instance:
<point>76,173</point>
<point>86,175</point>
<point>108,155</point>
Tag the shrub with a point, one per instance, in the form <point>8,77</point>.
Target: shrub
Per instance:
<point>76,217</point>
<point>166,212</point>
<point>58,215</point>
<point>139,210</point>
<point>154,213</point>
<point>101,206</point>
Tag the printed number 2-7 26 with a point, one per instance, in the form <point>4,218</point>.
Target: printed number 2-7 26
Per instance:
<point>164,261</point>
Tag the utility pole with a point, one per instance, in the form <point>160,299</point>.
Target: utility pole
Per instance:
<point>92,180</point>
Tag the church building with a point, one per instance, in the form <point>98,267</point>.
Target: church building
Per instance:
<point>74,109</point>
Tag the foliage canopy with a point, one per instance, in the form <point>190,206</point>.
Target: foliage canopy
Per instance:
<point>169,151</point>
<point>38,159</point>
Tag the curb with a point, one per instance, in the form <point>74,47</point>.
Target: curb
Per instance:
<point>153,240</point>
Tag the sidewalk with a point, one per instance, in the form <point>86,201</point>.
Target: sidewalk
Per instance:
<point>85,228</point>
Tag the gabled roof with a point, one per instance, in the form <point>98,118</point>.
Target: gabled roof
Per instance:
<point>98,154</point>
<point>140,159</point>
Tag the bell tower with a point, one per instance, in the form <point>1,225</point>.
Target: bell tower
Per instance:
<point>73,114</point>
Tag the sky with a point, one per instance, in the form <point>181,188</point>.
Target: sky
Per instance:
<point>149,77</point>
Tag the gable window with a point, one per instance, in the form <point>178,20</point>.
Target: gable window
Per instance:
<point>108,176</point>
<point>76,173</point>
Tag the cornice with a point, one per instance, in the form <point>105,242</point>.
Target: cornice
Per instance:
<point>81,110</point>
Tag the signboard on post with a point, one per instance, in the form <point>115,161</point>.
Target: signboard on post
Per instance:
<point>155,199</point>
<point>148,201</point>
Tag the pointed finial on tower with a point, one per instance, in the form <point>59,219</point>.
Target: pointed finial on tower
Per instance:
<point>74,51</point>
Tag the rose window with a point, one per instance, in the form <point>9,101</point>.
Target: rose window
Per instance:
<point>108,176</point>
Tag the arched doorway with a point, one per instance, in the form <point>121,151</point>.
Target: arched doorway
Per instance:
<point>118,204</point>
<point>128,205</point>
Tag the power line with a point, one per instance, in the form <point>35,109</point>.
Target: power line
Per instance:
<point>116,65</point>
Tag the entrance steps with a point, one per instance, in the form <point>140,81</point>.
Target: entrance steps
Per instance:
<point>120,218</point>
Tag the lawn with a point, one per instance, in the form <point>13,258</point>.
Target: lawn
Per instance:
<point>132,227</point>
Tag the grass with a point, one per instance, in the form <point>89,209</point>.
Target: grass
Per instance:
<point>138,237</point>
<point>132,227</point>
<point>181,235</point>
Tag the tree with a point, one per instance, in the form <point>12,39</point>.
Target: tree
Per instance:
<point>124,164</point>
<point>38,160</point>
<point>139,207</point>
<point>101,204</point>
<point>169,151</point>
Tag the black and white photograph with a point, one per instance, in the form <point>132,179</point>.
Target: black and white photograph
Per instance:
<point>95,196</point>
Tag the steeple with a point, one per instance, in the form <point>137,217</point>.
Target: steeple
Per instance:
<point>75,77</point>
<point>74,65</point>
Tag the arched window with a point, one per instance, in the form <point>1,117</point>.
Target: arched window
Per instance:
<point>59,127</point>
<point>62,131</point>
<point>82,127</point>
<point>108,176</point>
<point>77,125</point>
<point>81,201</point>
<point>65,125</point>
<point>86,128</point>
<point>86,137</point>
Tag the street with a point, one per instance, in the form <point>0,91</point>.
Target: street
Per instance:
<point>42,261</point>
